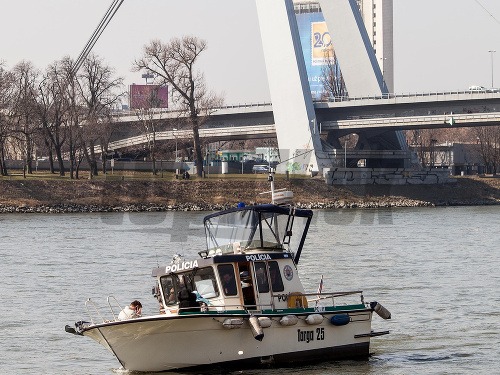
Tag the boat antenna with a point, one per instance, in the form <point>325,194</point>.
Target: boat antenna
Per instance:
<point>270,178</point>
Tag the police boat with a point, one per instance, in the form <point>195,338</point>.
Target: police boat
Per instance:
<point>240,304</point>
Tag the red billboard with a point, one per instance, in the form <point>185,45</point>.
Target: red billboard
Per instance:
<point>148,96</point>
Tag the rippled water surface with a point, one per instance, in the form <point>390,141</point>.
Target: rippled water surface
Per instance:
<point>436,269</point>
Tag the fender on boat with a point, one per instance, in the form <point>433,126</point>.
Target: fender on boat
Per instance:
<point>289,320</point>
<point>314,319</point>
<point>340,319</point>
<point>265,322</point>
<point>257,331</point>
<point>380,310</point>
<point>231,323</point>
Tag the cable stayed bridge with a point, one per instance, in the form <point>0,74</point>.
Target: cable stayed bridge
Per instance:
<point>341,116</point>
<point>309,132</point>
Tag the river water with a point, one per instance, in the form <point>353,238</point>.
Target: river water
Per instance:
<point>436,269</point>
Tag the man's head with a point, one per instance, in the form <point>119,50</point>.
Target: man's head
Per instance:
<point>136,305</point>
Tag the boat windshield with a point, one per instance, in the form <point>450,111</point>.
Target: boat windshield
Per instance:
<point>259,227</point>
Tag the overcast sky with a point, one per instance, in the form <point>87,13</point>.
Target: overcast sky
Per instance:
<point>439,45</point>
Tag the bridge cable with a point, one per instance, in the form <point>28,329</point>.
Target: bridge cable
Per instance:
<point>108,16</point>
<point>487,11</point>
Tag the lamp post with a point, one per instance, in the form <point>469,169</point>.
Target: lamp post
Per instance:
<point>492,51</point>
<point>345,154</point>
<point>175,136</point>
<point>313,122</point>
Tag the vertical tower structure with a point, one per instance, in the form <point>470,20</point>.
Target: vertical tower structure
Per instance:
<point>378,19</point>
<point>295,119</point>
<point>353,47</point>
<point>294,115</point>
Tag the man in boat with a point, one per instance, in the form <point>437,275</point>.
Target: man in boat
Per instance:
<point>134,310</point>
<point>229,284</point>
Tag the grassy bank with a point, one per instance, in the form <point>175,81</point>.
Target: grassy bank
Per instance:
<point>119,190</point>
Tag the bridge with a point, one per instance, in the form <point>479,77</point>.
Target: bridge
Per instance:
<point>341,115</point>
<point>308,132</point>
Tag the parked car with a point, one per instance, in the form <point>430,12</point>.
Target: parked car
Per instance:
<point>477,88</point>
<point>260,168</point>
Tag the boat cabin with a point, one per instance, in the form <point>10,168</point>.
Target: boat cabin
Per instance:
<point>249,264</point>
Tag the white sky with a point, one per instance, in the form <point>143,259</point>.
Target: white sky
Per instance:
<point>440,45</point>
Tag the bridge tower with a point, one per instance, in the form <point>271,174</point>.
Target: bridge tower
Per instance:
<point>297,125</point>
<point>294,116</point>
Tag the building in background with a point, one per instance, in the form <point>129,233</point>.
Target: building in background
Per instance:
<point>378,18</point>
<point>316,43</point>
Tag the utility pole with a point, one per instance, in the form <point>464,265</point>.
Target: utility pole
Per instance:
<point>491,51</point>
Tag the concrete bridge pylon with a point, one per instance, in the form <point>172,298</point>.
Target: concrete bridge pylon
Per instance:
<point>297,126</point>
<point>294,116</point>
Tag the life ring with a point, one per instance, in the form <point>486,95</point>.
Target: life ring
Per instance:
<point>297,300</point>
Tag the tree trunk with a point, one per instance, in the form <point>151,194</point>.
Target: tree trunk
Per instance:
<point>92,160</point>
<point>104,153</point>
<point>29,155</point>
<point>3,166</point>
<point>60,161</point>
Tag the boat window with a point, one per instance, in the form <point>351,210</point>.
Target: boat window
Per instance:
<point>276,280</point>
<point>272,225</point>
<point>226,230</point>
<point>261,276</point>
<point>205,284</point>
<point>263,227</point>
<point>228,281</point>
<point>167,286</point>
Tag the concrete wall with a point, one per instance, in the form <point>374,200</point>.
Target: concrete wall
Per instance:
<point>167,166</point>
<point>386,176</point>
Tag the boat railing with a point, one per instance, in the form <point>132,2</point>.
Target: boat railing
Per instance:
<point>113,298</point>
<point>89,303</point>
<point>223,308</point>
<point>314,300</point>
<point>324,298</point>
<point>93,310</point>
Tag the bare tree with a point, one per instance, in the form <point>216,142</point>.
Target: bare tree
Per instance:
<point>173,63</point>
<point>489,146</point>
<point>52,108</point>
<point>6,86</point>
<point>24,119</point>
<point>424,143</point>
<point>147,124</point>
<point>331,77</point>
<point>98,90</point>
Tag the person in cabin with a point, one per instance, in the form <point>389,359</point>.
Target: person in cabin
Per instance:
<point>229,284</point>
<point>132,311</point>
<point>171,296</point>
<point>262,283</point>
<point>276,281</point>
<point>187,301</point>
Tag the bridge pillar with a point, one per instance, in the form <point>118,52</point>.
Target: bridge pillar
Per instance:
<point>301,148</point>
<point>360,69</point>
<point>294,116</point>
<point>359,65</point>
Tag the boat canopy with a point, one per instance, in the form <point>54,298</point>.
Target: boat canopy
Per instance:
<point>268,227</point>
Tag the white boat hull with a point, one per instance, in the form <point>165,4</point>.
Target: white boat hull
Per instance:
<point>161,343</point>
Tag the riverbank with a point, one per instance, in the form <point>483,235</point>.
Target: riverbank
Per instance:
<point>63,195</point>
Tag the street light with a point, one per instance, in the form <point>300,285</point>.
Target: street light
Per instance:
<point>345,154</point>
<point>175,136</point>
<point>492,51</point>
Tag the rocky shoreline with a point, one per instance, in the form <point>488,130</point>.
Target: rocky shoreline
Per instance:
<point>84,196</point>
